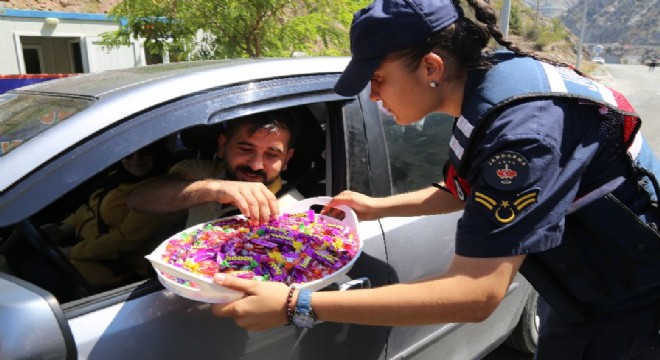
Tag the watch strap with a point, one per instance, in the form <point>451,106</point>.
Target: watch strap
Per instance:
<point>304,303</point>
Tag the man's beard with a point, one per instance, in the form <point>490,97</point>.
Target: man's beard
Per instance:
<point>231,174</point>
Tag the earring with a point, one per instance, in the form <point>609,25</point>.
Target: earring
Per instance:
<point>433,84</point>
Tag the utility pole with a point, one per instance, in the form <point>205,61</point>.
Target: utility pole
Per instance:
<point>538,10</point>
<point>504,19</point>
<point>578,62</point>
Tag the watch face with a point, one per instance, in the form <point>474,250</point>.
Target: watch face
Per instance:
<point>303,320</point>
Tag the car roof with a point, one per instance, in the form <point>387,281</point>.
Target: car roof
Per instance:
<point>206,74</point>
<point>145,86</point>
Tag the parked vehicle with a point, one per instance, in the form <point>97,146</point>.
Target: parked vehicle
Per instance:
<point>57,137</point>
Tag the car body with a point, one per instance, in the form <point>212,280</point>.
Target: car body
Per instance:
<point>58,135</point>
<point>598,60</point>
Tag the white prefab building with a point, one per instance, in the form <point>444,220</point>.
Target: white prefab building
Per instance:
<point>48,42</point>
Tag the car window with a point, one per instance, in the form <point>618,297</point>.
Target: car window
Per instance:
<point>89,241</point>
<point>21,120</point>
<point>27,249</point>
<point>417,152</point>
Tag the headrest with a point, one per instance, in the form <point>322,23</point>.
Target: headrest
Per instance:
<point>203,138</point>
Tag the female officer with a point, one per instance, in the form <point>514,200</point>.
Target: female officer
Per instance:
<point>548,166</point>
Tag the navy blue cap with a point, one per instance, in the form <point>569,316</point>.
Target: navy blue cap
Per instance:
<point>386,26</point>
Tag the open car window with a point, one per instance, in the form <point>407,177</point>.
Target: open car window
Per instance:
<point>29,252</point>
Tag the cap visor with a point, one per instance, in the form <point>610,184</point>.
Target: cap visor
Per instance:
<point>356,76</point>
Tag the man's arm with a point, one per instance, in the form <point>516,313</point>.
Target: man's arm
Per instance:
<point>171,193</point>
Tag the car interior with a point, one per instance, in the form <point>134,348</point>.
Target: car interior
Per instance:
<point>27,253</point>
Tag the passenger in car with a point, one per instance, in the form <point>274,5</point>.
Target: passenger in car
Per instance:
<point>551,172</point>
<point>105,240</point>
<point>251,154</point>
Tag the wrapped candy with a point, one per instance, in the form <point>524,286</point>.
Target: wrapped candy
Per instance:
<point>293,248</point>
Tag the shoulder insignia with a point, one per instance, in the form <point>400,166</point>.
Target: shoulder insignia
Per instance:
<point>505,211</point>
<point>507,170</point>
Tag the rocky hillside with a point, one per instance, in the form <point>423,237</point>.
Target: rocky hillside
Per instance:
<point>623,21</point>
<point>87,6</point>
<point>551,8</point>
<point>632,22</point>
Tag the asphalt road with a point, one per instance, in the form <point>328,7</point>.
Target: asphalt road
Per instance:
<point>642,88</point>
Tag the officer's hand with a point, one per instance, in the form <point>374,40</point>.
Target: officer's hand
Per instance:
<point>364,206</point>
<point>253,199</point>
<point>262,308</point>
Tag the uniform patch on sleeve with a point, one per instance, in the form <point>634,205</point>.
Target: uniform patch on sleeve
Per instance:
<point>505,210</point>
<point>507,170</point>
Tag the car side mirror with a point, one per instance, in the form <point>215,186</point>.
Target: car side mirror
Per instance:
<point>35,326</point>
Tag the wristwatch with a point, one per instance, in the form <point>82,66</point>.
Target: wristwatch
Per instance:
<point>303,316</point>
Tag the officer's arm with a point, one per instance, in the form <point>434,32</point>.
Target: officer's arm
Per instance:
<point>429,201</point>
<point>469,291</point>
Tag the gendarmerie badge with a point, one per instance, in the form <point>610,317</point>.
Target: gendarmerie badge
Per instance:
<point>507,170</point>
<point>505,211</point>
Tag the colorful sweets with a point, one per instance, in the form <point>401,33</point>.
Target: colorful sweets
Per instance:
<point>294,248</point>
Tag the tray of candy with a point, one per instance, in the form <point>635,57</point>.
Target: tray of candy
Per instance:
<point>300,247</point>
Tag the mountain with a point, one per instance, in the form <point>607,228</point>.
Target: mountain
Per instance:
<point>551,8</point>
<point>630,22</point>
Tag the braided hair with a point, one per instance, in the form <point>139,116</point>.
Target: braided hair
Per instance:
<point>462,43</point>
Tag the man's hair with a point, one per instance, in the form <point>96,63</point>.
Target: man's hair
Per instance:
<point>271,121</point>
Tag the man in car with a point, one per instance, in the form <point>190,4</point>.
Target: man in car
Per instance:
<point>252,153</point>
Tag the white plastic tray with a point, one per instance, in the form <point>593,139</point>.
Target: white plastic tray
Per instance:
<point>210,292</point>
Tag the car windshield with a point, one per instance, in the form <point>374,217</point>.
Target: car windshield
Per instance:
<point>24,116</point>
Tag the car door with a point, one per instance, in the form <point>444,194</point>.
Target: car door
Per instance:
<point>159,324</point>
<point>411,158</point>
<point>143,320</point>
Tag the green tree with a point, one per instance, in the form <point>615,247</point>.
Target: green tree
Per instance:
<point>207,29</point>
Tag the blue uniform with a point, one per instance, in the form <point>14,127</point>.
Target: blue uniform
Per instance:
<point>549,165</point>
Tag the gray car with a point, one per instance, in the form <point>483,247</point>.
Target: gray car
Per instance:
<point>57,137</point>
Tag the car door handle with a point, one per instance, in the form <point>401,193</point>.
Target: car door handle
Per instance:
<point>359,283</point>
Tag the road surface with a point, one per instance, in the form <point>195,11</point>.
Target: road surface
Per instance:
<point>642,88</point>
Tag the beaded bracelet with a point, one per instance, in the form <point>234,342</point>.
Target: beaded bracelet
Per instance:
<point>289,310</point>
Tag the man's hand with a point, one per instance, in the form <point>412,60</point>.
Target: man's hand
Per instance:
<point>253,199</point>
<point>262,308</point>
